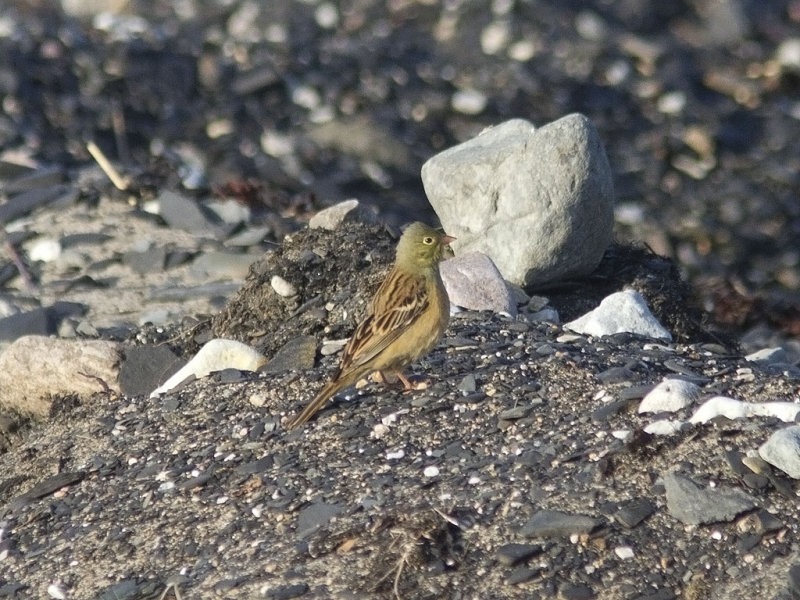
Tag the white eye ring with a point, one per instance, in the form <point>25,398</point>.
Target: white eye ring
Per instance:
<point>427,240</point>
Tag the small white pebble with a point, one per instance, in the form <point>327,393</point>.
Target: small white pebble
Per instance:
<point>166,486</point>
<point>282,287</point>
<point>257,510</point>
<point>306,96</point>
<point>716,535</point>
<point>494,37</point>
<point>45,250</point>
<point>624,552</point>
<point>672,103</point>
<point>468,102</point>
<point>522,50</point>
<point>395,454</point>
<point>56,590</point>
<point>622,434</point>
<point>327,15</point>
<point>474,480</point>
<point>258,399</point>
<point>431,471</point>
<point>222,500</point>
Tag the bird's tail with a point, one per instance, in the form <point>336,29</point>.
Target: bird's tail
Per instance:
<point>328,390</point>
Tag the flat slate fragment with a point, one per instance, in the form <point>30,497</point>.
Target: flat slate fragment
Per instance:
<point>635,512</point>
<point>513,554</point>
<point>693,505</point>
<point>47,487</point>
<point>554,523</point>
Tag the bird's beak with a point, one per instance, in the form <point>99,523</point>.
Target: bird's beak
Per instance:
<point>446,240</point>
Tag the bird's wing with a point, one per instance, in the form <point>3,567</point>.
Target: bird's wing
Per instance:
<point>390,319</point>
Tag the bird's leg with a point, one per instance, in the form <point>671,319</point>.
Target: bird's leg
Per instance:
<point>415,382</point>
<point>406,383</point>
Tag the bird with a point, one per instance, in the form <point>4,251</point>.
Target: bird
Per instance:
<point>407,316</point>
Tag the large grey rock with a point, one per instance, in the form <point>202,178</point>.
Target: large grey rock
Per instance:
<point>539,202</point>
<point>35,369</point>
<point>782,450</point>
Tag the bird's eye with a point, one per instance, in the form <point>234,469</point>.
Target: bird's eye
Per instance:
<point>427,240</point>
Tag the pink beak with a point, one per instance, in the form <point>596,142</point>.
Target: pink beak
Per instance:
<point>446,240</point>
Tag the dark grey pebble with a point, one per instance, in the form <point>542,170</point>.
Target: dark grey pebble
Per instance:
<point>512,414</point>
<point>149,261</point>
<point>287,592</point>
<point>196,482</point>
<point>521,574</point>
<point>226,585</point>
<point>767,522</point>
<point>634,512</point>
<point>84,239</point>
<point>553,523</point>
<point>635,392</point>
<point>794,578</point>
<point>747,542</point>
<point>662,594</point>
<point>468,384</point>
<point>513,554</point>
<point>39,321</point>
<point>297,354</point>
<point>181,212</point>
<point>9,590</point>
<point>146,367</point>
<point>27,202</point>
<point>47,487</point>
<point>257,466</point>
<point>231,376</point>
<point>604,412</point>
<point>693,505</point>
<point>689,374</point>
<point>734,460</point>
<point>615,375</point>
<point>129,589</point>
<point>314,516</point>
<point>571,591</point>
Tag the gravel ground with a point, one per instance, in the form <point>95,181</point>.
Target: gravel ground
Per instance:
<point>523,470</point>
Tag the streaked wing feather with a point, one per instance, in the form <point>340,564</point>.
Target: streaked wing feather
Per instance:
<point>380,329</point>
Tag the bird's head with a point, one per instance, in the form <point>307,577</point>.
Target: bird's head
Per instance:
<point>421,247</point>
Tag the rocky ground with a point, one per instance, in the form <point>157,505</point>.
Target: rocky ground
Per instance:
<point>523,470</point>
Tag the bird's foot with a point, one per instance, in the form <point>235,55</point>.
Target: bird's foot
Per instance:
<point>414,382</point>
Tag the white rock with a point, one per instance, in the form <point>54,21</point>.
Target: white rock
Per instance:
<point>45,250</point>
<point>431,471</point>
<point>495,36</point>
<point>769,356</point>
<point>216,355</point>
<point>624,311</point>
<point>282,287</point>
<point>736,409</point>
<point>782,450</point>
<point>624,552</point>
<point>622,434</point>
<point>469,102</point>
<point>348,210</point>
<point>473,282</point>
<point>664,427</point>
<point>57,591</point>
<point>788,53</point>
<point>539,202</point>
<point>670,395</point>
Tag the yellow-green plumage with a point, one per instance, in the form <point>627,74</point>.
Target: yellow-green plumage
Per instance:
<point>407,316</point>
